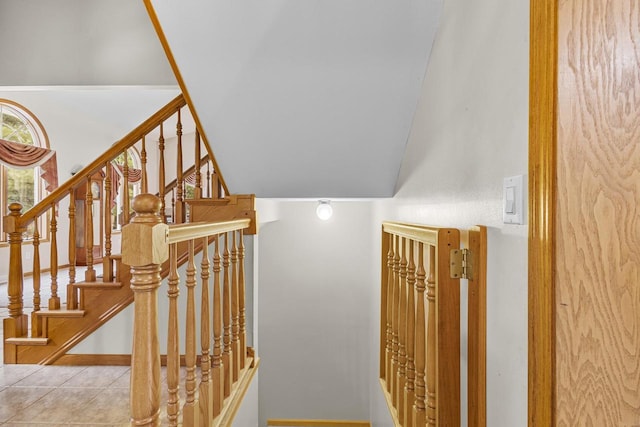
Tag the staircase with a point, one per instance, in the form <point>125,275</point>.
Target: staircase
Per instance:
<point>55,326</point>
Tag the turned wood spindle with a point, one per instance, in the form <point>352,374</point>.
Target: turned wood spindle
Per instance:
<point>16,324</point>
<point>217,374</point>
<point>54,301</point>
<point>242,286</point>
<point>227,356</point>
<point>126,210</point>
<point>190,410</point>
<point>395,323</point>
<point>432,398</point>
<point>402,331</point>
<point>205,394</point>
<point>179,217</point>
<point>208,181</point>
<point>89,274</point>
<point>143,160</point>
<point>409,390</point>
<point>107,273</point>
<point>235,309</point>
<point>389,308</point>
<point>173,339</point>
<point>419,407</point>
<point>36,329</point>
<point>71,300</point>
<point>198,166</point>
<point>161,173</point>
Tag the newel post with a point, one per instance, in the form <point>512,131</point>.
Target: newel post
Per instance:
<point>144,249</point>
<point>14,230</point>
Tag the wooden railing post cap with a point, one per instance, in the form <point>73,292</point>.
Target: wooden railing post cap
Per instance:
<point>11,221</point>
<point>144,239</point>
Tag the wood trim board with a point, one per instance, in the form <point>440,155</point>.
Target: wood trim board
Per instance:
<point>542,198</point>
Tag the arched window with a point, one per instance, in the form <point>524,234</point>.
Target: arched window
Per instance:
<point>20,185</point>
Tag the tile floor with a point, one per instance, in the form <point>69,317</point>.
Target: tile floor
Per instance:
<point>34,395</point>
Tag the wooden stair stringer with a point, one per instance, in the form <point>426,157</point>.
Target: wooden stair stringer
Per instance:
<point>100,306</point>
<point>66,332</point>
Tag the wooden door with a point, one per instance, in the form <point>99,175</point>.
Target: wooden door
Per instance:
<point>585,187</point>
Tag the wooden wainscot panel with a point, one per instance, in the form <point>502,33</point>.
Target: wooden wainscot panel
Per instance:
<point>238,206</point>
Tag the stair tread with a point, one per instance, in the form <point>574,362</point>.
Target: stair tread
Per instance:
<point>98,285</point>
<point>60,313</point>
<point>27,341</point>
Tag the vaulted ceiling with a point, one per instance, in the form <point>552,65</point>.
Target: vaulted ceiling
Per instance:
<point>309,98</point>
<point>298,98</point>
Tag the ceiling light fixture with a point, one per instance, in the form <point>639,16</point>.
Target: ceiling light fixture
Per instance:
<point>324,210</point>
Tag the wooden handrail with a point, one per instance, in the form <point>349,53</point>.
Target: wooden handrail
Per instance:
<point>419,233</point>
<point>195,230</point>
<point>79,178</point>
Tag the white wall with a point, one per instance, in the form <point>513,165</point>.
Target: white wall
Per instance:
<point>315,291</point>
<point>247,415</point>
<point>470,131</point>
<point>80,42</point>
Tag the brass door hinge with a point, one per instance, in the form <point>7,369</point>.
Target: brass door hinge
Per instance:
<point>460,263</point>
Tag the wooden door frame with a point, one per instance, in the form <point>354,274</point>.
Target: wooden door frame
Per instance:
<point>543,58</point>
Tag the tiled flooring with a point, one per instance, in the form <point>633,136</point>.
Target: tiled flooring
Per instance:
<point>32,395</point>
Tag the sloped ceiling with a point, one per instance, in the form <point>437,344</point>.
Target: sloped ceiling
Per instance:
<point>80,42</point>
<point>303,98</point>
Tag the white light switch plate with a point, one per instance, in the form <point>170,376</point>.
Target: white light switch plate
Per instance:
<point>513,196</point>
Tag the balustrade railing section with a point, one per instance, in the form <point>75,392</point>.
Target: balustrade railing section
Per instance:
<point>225,372</point>
<point>420,325</point>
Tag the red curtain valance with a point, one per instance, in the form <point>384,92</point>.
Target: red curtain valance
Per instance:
<point>22,156</point>
<point>117,172</point>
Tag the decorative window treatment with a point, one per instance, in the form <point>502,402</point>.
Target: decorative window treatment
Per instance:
<point>117,172</point>
<point>22,156</point>
<point>191,179</point>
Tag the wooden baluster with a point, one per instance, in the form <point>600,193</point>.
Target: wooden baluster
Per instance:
<point>235,309</point>
<point>389,308</point>
<point>419,408</point>
<point>198,189</point>
<point>242,286</point>
<point>144,248</point>
<point>190,411</point>
<point>215,185</point>
<point>54,301</point>
<point>143,160</point>
<point>173,205</point>
<point>89,274</point>
<point>173,340</point>
<point>161,177</point>
<point>402,330</point>
<point>72,301</point>
<point>227,357</point>
<point>126,211</point>
<point>409,390</point>
<point>208,181</point>
<point>179,214</point>
<point>206,386</point>
<point>432,398</point>
<point>217,369</point>
<point>395,320</point>
<point>107,267</point>
<point>16,324</point>
<point>36,321</point>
